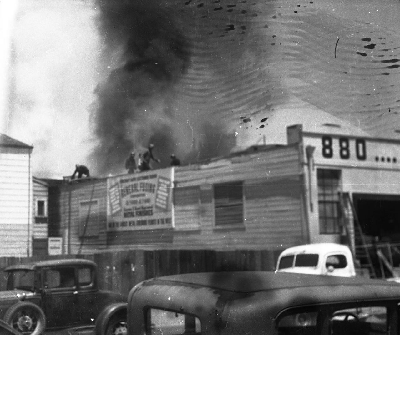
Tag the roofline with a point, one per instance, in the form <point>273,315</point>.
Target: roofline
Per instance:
<point>40,181</point>
<point>340,135</point>
<point>48,263</point>
<point>331,290</point>
<point>14,143</point>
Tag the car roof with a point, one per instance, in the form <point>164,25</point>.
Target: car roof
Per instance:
<point>313,285</point>
<point>315,248</point>
<point>50,263</point>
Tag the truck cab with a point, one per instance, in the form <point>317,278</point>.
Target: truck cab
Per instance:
<point>317,259</point>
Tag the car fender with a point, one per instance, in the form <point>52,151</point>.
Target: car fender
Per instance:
<point>106,314</point>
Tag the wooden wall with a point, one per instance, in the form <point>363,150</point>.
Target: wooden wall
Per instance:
<point>273,209</point>
<point>15,201</point>
<point>273,206</point>
<point>83,207</point>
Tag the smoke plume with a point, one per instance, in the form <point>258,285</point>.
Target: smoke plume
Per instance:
<point>152,92</point>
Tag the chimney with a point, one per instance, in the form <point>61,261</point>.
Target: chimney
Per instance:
<point>293,133</point>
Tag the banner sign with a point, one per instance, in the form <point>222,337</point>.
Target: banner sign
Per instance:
<point>140,201</point>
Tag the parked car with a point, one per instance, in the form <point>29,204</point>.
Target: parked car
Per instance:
<point>263,303</point>
<point>58,294</point>
<point>318,259</point>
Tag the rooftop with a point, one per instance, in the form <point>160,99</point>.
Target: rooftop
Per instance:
<point>7,141</point>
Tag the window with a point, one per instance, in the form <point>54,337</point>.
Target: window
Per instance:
<point>298,323</point>
<point>21,279</point>
<point>336,261</point>
<point>328,200</point>
<point>301,260</point>
<point>162,322</point>
<point>84,276</point>
<point>359,321</point>
<point>335,320</point>
<point>228,200</point>
<point>60,278</point>
<point>41,211</point>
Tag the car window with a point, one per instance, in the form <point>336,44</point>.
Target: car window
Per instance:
<point>360,321</point>
<point>298,323</point>
<point>21,279</point>
<point>84,276</point>
<point>368,320</point>
<point>52,279</point>
<point>336,261</point>
<point>60,278</point>
<point>163,322</point>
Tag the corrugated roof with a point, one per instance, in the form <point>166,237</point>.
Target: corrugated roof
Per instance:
<point>7,141</point>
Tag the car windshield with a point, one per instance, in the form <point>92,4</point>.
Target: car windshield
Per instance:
<point>21,279</point>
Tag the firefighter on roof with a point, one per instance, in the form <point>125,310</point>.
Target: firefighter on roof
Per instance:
<point>147,157</point>
<point>80,170</point>
<point>130,163</point>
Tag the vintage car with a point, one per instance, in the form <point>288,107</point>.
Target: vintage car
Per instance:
<point>58,294</point>
<point>317,259</point>
<point>263,303</point>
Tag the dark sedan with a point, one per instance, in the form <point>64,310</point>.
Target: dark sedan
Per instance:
<point>263,303</point>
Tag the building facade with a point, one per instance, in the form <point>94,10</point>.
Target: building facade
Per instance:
<point>317,188</point>
<point>15,198</point>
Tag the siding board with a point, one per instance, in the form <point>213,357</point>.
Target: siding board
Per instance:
<point>15,199</point>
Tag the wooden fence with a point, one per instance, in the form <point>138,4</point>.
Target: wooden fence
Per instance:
<point>120,271</point>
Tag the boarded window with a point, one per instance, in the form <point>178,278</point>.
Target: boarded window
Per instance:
<point>228,201</point>
<point>187,208</point>
<point>89,218</point>
<point>328,200</point>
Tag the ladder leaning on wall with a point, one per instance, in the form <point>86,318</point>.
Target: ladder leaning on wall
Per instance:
<point>353,235</point>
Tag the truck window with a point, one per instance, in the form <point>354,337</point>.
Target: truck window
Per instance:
<point>306,260</point>
<point>286,262</point>
<point>336,261</point>
<point>300,260</point>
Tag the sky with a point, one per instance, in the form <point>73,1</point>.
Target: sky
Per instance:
<point>90,81</point>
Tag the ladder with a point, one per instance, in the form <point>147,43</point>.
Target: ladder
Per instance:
<point>360,253</point>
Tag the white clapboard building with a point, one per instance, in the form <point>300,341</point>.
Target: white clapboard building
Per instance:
<point>16,195</point>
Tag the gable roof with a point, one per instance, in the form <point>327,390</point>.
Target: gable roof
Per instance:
<point>7,141</point>
<point>39,181</point>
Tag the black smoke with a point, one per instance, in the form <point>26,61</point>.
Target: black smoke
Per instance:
<point>153,55</point>
<point>149,49</point>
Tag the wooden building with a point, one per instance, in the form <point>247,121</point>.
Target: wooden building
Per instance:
<point>15,198</point>
<point>316,188</point>
<point>40,217</point>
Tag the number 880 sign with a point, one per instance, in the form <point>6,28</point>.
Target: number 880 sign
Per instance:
<point>344,148</point>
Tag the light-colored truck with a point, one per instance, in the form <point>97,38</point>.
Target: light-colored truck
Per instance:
<point>317,259</point>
